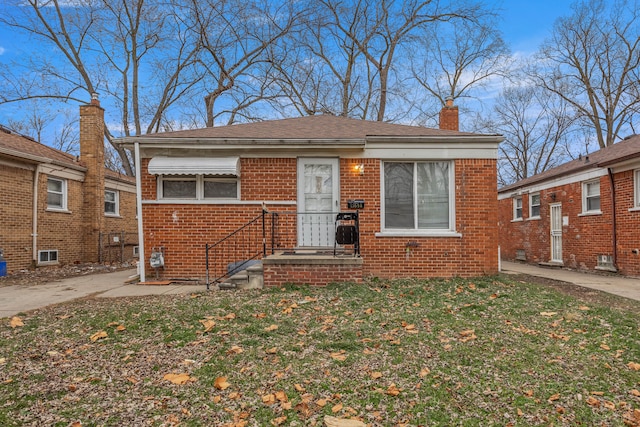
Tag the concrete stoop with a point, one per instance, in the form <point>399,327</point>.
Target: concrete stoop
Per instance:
<point>251,278</point>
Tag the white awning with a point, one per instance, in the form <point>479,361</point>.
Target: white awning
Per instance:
<point>195,166</point>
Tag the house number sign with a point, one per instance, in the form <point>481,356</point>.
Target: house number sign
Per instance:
<point>355,204</point>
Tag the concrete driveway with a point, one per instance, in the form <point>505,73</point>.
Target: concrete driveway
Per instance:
<point>627,287</point>
<point>17,299</point>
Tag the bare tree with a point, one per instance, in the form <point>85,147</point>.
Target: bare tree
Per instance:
<point>538,129</point>
<point>458,59</point>
<point>389,25</point>
<point>103,46</point>
<point>234,36</point>
<point>591,61</point>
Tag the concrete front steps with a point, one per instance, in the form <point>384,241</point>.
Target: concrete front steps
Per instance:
<point>251,278</point>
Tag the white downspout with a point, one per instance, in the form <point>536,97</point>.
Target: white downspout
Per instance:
<point>34,231</point>
<point>141,258</point>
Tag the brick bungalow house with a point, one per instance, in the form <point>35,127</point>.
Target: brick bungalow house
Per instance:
<point>426,197</point>
<point>584,214</point>
<point>59,209</point>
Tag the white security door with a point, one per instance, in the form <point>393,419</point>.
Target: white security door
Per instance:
<point>556,232</point>
<point>317,201</point>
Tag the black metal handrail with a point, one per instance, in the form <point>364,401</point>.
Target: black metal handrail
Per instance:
<point>243,245</point>
<point>267,233</point>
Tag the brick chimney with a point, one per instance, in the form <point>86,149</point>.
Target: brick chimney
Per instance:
<point>449,116</point>
<point>92,156</point>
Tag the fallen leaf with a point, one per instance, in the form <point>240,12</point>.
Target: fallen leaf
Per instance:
<point>216,399</point>
<point>583,308</point>
<point>424,372</point>
<point>592,401</point>
<point>271,350</point>
<point>520,413</point>
<point>609,405</point>
<point>15,322</point>
<point>321,402</point>
<point>98,335</point>
<point>337,408</point>
<point>393,390</point>
<point>278,421</point>
<point>271,328</point>
<point>260,315</point>
<point>208,324</point>
<point>221,383</point>
<point>76,424</point>
<point>554,397</point>
<point>178,378</point>
<point>281,396</point>
<point>605,347</point>
<point>230,316</point>
<point>339,355</point>
<point>330,421</point>
<point>3,360</point>
<point>120,328</point>
<point>298,388</point>
<point>634,366</point>
<point>635,393</point>
<point>376,375</point>
<point>268,399</point>
<point>235,350</point>
<point>368,311</point>
<point>548,313</point>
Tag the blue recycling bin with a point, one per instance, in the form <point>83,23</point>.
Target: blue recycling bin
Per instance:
<point>3,264</point>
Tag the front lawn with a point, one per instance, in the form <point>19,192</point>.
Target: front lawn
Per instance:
<point>489,351</point>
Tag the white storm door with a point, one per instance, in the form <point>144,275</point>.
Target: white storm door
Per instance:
<point>317,201</point>
<point>556,232</point>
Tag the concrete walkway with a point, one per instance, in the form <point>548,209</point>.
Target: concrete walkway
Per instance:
<point>627,287</point>
<point>17,299</point>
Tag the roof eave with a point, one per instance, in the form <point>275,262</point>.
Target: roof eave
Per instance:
<point>32,158</point>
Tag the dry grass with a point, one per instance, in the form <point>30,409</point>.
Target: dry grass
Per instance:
<point>490,351</point>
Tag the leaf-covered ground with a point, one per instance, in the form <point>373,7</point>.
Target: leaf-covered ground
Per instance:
<point>490,351</point>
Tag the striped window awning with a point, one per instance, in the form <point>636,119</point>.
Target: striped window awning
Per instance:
<point>195,166</point>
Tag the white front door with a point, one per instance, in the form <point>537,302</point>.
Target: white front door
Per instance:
<point>317,201</point>
<point>556,232</point>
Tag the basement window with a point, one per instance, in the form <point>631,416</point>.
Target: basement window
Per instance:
<point>48,257</point>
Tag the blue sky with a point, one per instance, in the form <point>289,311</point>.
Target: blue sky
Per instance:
<point>525,24</point>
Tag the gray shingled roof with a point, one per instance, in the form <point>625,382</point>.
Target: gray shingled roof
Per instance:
<point>303,128</point>
<point>21,147</point>
<point>12,142</point>
<point>629,148</point>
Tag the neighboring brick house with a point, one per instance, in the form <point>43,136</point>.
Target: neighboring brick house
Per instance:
<point>430,206</point>
<point>584,214</point>
<point>61,209</point>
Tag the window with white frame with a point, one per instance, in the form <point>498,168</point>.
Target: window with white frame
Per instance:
<point>591,196</point>
<point>534,205</point>
<point>49,256</point>
<point>111,202</point>
<point>417,196</point>
<point>197,187</point>
<point>517,208</point>
<point>56,194</point>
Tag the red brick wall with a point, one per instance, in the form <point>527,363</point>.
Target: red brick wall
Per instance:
<point>627,225</point>
<point>585,237</point>
<point>314,275</point>
<point>16,215</point>
<point>183,229</point>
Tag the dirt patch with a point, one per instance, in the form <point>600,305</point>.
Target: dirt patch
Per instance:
<point>581,293</point>
<point>42,275</point>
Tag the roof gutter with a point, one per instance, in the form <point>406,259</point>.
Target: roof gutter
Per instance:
<point>39,159</point>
